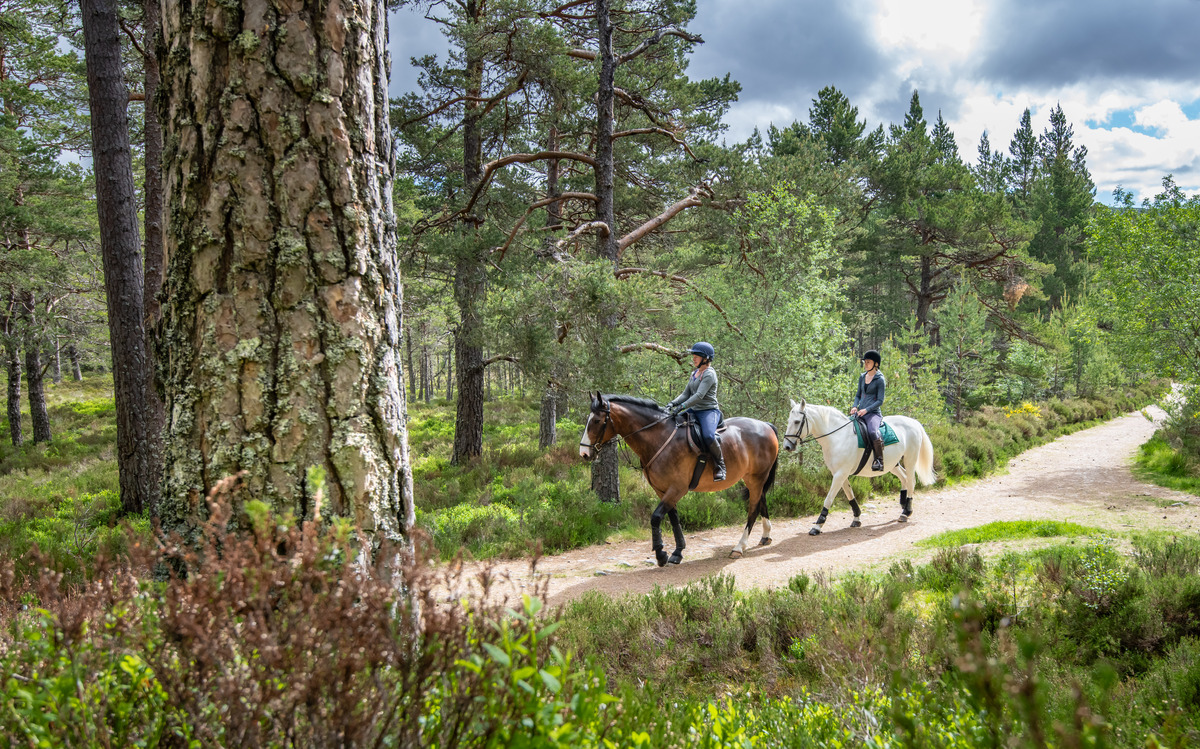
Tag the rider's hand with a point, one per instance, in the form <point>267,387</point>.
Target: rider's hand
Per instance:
<point>854,412</point>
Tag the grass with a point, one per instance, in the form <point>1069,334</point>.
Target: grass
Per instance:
<point>63,496</point>
<point>1159,463</point>
<point>1009,530</point>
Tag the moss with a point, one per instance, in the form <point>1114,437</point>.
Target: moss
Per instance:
<point>246,42</point>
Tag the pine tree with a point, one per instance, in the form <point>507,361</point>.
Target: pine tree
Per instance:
<point>943,141</point>
<point>1023,168</point>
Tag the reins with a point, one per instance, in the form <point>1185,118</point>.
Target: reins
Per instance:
<point>811,437</point>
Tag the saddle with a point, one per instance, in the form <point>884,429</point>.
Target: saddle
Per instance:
<point>695,439</point>
<point>885,431</point>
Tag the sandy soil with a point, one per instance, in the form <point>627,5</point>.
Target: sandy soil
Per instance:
<point>1084,477</point>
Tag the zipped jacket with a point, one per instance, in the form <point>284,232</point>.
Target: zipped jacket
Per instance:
<point>869,397</point>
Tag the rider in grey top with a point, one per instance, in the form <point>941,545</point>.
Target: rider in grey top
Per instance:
<point>867,403</point>
<point>700,396</point>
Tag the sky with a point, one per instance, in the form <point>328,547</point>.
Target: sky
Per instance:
<point>1126,74</point>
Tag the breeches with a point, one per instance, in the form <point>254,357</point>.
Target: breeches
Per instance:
<point>708,422</point>
<point>872,421</point>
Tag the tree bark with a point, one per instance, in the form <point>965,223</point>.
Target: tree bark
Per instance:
<point>412,375</point>
<point>76,367</point>
<point>605,473</point>
<point>155,260</point>
<point>56,363</point>
<point>282,307</point>
<point>116,207</point>
<point>470,276</point>
<point>548,419</point>
<point>38,416</point>
<point>13,364</point>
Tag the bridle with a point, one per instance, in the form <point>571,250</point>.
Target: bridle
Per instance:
<point>811,437</point>
<point>604,428</point>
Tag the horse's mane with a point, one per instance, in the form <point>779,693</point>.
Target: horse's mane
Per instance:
<point>635,401</point>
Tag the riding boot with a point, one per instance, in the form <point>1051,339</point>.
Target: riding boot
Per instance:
<point>877,448</point>
<point>714,449</point>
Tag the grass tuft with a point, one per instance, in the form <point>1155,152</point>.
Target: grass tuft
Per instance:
<point>1009,530</point>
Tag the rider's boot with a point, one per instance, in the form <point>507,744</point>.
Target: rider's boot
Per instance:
<point>877,448</point>
<point>714,449</point>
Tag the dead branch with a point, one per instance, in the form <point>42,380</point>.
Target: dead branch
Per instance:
<point>599,226</point>
<point>658,36</point>
<point>659,131</point>
<point>676,355</point>
<point>520,158</point>
<point>582,54</point>
<point>499,358</point>
<point>691,201</point>
<point>626,272</point>
<point>134,96</point>
<point>503,249</point>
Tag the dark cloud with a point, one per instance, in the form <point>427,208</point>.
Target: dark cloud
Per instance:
<point>1060,42</point>
<point>784,52</point>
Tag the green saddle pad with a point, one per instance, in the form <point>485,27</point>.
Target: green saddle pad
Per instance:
<point>889,436</point>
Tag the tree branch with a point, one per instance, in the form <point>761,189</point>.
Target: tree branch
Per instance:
<point>582,54</point>
<point>503,249</point>
<point>520,158</point>
<point>582,228</point>
<point>658,36</point>
<point>625,272</point>
<point>676,355</point>
<point>499,358</point>
<point>691,201</point>
<point>659,131</point>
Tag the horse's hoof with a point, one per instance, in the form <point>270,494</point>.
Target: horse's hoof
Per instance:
<point>814,531</point>
<point>675,559</point>
<point>661,556</point>
<point>735,554</point>
<point>764,541</point>
<point>856,523</point>
<point>903,518</point>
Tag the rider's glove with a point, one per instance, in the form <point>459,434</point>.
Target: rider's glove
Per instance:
<point>673,409</point>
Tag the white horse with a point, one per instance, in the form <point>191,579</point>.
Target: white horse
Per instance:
<point>831,429</point>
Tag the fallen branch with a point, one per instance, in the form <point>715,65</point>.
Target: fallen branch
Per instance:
<point>626,272</point>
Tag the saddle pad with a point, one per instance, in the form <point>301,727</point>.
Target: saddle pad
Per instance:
<point>889,436</point>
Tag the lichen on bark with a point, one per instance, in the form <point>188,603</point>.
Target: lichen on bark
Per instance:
<point>280,338</point>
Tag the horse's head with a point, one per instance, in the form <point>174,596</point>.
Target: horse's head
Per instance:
<point>599,428</point>
<point>796,426</point>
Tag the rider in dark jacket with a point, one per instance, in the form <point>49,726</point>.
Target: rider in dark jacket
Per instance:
<point>867,403</point>
<point>700,396</point>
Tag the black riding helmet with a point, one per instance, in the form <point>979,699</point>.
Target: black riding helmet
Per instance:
<point>873,355</point>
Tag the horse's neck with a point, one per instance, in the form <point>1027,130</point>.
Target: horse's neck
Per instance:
<point>638,434</point>
<point>826,419</point>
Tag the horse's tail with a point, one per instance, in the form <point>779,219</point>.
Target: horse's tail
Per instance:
<point>770,478</point>
<point>925,470</point>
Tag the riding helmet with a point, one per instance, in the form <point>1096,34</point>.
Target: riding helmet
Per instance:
<point>703,349</point>
<point>873,355</point>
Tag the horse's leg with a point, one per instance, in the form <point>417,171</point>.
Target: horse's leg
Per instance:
<point>836,487</point>
<point>766,518</point>
<point>677,555</point>
<point>754,494</point>
<point>853,504</point>
<point>656,533</point>
<point>905,500</point>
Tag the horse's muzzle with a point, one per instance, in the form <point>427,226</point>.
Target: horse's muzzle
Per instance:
<point>585,452</point>
<point>789,445</point>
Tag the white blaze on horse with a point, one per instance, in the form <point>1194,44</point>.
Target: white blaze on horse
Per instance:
<point>908,460</point>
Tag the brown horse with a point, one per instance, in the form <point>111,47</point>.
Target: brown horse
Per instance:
<point>751,450</point>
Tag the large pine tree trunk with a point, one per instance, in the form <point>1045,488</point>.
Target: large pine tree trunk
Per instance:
<point>470,277</point>
<point>120,246</point>
<point>154,259</point>
<point>282,315</point>
<point>548,419</point>
<point>12,360</point>
<point>605,476</point>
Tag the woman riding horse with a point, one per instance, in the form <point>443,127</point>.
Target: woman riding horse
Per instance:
<point>867,404</point>
<point>700,397</point>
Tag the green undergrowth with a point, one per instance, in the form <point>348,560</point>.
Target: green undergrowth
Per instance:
<point>1159,463</point>
<point>63,496</point>
<point>1008,530</point>
<point>515,498</point>
<point>1074,644</point>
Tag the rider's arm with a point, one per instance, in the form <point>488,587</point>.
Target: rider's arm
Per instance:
<point>682,396</point>
<point>878,384</point>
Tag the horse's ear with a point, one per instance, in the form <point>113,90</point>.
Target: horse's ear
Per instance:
<point>795,405</point>
<point>802,404</point>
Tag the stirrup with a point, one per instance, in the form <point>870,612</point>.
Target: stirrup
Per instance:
<point>877,465</point>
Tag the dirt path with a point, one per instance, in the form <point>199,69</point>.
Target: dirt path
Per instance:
<point>1083,477</point>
